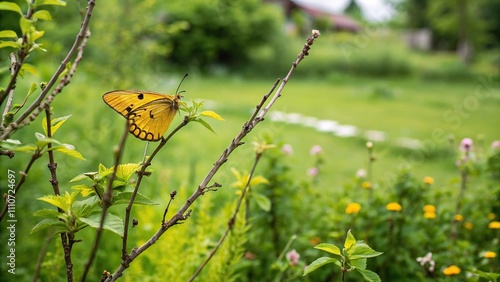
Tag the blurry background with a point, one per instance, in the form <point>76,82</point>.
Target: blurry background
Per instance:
<point>414,77</point>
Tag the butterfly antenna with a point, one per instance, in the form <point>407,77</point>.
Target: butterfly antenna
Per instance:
<point>177,91</point>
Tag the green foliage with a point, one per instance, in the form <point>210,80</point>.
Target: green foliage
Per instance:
<point>352,257</point>
<point>220,32</point>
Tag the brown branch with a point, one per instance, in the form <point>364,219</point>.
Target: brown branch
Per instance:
<point>183,213</point>
<point>38,106</point>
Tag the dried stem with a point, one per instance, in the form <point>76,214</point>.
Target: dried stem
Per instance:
<point>183,213</point>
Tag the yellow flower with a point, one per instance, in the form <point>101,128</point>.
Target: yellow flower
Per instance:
<point>428,180</point>
<point>494,225</point>
<point>468,225</point>
<point>490,255</point>
<point>452,270</point>
<point>352,208</point>
<point>367,185</point>
<point>491,216</point>
<point>394,206</point>
<point>458,217</point>
<point>430,215</point>
<point>430,208</point>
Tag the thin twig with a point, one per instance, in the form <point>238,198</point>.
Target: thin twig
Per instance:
<point>231,221</point>
<point>36,107</point>
<point>183,213</point>
<point>106,202</point>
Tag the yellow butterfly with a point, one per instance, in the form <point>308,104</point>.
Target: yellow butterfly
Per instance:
<point>149,114</point>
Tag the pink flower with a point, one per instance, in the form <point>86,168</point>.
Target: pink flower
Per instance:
<point>496,144</point>
<point>293,257</point>
<point>287,149</point>
<point>361,174</point>
<point>466,145</point>
<point>313,171</point>
<point>316,150</point>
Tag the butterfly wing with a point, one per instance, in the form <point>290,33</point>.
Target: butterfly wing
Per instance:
<point>149,113</point>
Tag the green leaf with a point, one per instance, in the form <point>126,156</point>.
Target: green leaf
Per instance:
<point>262,201</point>
<point>26,149</point>
<point>361,250</point>
<point>112,222</point>
<point>369,275</point>
<point>42,15</point>
<point>319,263</point>
<point>70,151</point>
<point>85,207</point>
<point>490,276</point>
<point>328,248</point>
<point>211,114</point>
<point>125,171</point>
<point>205,124</point>
<point>64,201</point>
<point>8,34</point>
<point>49,2</point>
<point>85,190</point>
<point>30,68</point>
<point>86,175</point>
<point>349,240</point>
<point>35,35</point>
<point>46,223</point>
<point>124,198</point>
<point>47,213</point>
<point>8,44</point>
<point>10,6</point>
<point>25,25</point>
<point>358,263</point>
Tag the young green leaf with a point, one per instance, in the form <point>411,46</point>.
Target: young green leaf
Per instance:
<point>47,213</point>
<point>8,34</point>
<point>49,2</point>
<point>357,263</point>
<point>361,250</point>
<point>85,190</point>
<point>328,248</point>
<point>42,15</point>
<point>54,124</point>
<point>369,275</point>
<point>25,25</point>
<point>10,6</point>
<point>70,151</point>
<point>125,171</point>
<point>490,276</point>
<point>262,201</point>
<point>211,114</point>
<point>320,262</point>
<point>124,198</point>
<point>112,222</point>
<point>349,240</point>
<point>12,44</point>
<point>49,222</point>
<point>205,124</point>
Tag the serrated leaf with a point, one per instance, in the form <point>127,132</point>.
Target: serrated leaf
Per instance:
<point>328,248</point>
<point>262,201</point>
<point>49,2</point>
<point>85,207</point>
<point>349,240</point>
<point>205,124</point>
<point>10,6</point>
<point>211,114</point>
<point>64,201</point>
<point>112,222</point>
<point>125,171</point>
<point>8,34</point>
<point>12,44</point>
<point>47,213</point>
<point>42,15</point>
<point>358,263</point>
<point>320,262</point>
<point>369,275</point>
<point>85,190</point>
<point>46,223</point>
<point>361,250</point>
<point>124,198</point>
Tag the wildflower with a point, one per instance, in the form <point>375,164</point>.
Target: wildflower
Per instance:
<point>293,257</point>
<point>430,208</point>
<point>316,150</point>
<point>352,208</point>
<point>496,144</point>
<point>490,255</point>
<point>452,270</point>
<point>313,171</point>
<point>466,145</point>
<point>428,180</point>
<point>361,174</point>
<point>430,215</point>
<point>468,225</point>
<point>369,145</point>
<point>458,217</point>
<point>427,259</point>
<point>491,216</point>
<point>367,185</point>
<point>287,149</point>
<point>494,225</point>
<point>393,206</point>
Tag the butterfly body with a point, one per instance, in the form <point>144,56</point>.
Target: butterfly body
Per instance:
<point>149,114</point>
